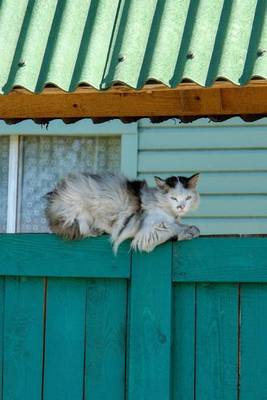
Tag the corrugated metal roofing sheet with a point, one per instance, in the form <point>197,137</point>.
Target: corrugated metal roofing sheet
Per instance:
<point>100,42</point>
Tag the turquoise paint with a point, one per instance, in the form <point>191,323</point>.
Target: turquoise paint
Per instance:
<point>2,310</point>
<point>253,356</point>
<point>150,314</point>
<point>105,340</point>
<point>225,260</point>
<point>24,255</point>
<point>23,338</point>
<point>216,341</point>
<point>64,339</point>
<point>183,354</point>
<point>169,329</point>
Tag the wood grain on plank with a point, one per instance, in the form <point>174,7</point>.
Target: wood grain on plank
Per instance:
<point>48,255</point>
<point>23,338</point>
<point>216,341</point>
<point>105,339</point>
<point>64,339</point>
<point>153,100</point>
<point>253,347</point>
<point>225,259</point>
<point>150,311</point>
<point>183,354</point>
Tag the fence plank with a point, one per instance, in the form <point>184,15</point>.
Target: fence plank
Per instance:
<point>216,341</point>
<point>229,259</point>
<point>64,342</point>
<point>150,325</point>
<point>2,300</point>
<point>253,365</point>
<point>184,342</point>
<point>105,339</point>
<point>26,255</point>
<point>23,338</point>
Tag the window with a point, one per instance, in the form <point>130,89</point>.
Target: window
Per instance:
<point>41,162</point>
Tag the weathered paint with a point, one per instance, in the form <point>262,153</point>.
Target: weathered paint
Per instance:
<point>145,335</point>
<point>212,39</point>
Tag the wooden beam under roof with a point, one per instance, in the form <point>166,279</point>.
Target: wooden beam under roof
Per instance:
<point>187,99</point>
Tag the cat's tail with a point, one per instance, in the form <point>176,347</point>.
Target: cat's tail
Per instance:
<point>57,222</point>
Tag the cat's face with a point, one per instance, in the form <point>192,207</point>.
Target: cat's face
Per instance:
<point>180,194</point>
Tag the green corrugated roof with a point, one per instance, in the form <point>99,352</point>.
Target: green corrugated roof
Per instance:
<point>100,42</point>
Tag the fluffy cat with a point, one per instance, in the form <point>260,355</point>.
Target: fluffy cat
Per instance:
<point>87,204</point>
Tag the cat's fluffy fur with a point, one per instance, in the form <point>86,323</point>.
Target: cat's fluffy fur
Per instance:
<point>86,204</point>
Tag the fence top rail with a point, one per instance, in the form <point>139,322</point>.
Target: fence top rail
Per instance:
<point>221,259</point>
<point>207,259</point>
<point>48,255</point>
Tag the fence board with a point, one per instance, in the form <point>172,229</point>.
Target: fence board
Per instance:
<point>183,355</point>
<point>105,339</point>
<point>48,255</point>
<point>2,299</point>
<point>23,338</point>
<point>253,329</point>
<point>216,341</point>
<point>221,260</point>
<point>150,325</point>
<point>64,341</point>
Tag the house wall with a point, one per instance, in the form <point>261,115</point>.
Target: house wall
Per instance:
<point>232,160</point>
<point>231,157</point>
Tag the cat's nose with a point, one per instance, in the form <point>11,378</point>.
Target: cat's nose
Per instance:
<point>181,207</point>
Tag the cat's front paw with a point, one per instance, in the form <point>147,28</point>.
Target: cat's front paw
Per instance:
<point>190,232</point>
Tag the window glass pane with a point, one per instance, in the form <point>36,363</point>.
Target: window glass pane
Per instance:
<point>4,150</point>
<point>47,159</point>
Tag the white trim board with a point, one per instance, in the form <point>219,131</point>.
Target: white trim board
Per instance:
<point>12,194</point>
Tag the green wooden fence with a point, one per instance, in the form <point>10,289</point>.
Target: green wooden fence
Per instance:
<point>188,321</point>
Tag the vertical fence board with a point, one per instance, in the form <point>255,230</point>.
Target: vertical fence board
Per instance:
<point>23,338</point>
<point>2,300</point>
<point>216,341</point>
<point>253,343</point>
<point>105,339</point>
<point>150,325</point>
<point>64,341</point>
<point>184,342</point>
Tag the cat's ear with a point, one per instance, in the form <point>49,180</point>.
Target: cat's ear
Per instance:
<point>193,180</point>
<point>161,184</point>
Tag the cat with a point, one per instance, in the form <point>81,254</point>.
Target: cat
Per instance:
<point>86,204</point>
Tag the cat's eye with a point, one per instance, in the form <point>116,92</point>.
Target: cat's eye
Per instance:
<point>188,198</point>
<point>174,198</point>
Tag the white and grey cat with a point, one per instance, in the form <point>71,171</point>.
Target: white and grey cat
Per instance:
<point>87,204</point>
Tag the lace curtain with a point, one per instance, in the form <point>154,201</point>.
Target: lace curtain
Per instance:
<point>42,162</point>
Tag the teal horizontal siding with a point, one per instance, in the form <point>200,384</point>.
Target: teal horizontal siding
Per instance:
<point>198,137</point>
<point>229,225</point>
<point>203,160</point>
<point>232,160</point>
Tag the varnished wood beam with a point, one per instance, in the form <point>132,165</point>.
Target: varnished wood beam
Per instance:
<point>188,99</point>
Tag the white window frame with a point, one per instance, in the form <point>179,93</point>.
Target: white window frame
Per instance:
<point>128,134</point>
